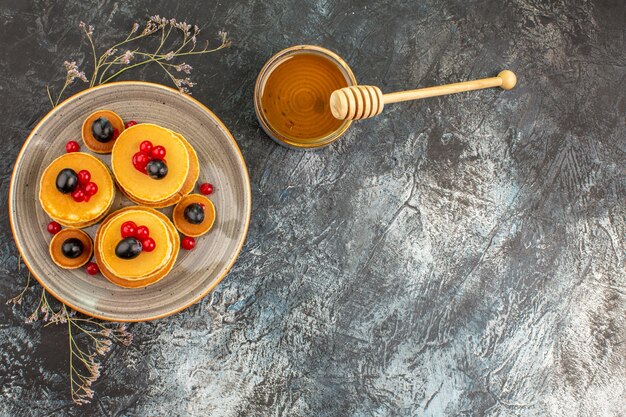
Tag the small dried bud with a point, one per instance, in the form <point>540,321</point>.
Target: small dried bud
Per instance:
<point>73,72</point>
<point>88,392</point>
<point>88,29</point>
<point>58,317</point>
<point>223,35</point>
<point>102,350</point>
<point>184,27</point>
<point>128,55</point>
<point>94,370</point>
<point>45,310</point>
<point>159,21</point>
<point>149,29</point>
<point>186,68</point>
<point>17,300</point>
<point>33,317</point>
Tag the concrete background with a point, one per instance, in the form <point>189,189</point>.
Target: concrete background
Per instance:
<point>458,256</point>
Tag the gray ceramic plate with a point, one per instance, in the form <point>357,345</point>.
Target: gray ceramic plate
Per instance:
<point>196,272</point>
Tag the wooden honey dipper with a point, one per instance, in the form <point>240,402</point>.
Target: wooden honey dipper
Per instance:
<point>363,101</point>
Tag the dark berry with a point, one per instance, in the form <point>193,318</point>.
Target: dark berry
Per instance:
<point>129,229</point>
<point>145,147</point>
<point>130,123</point>
<point>72,146</point>
<point>158,152</point>
<point>84,177</point>
<point>156,169</point>
<point>91,189</point>
<point>92,268</point>
<point>128,248</point>
<point>54,228</point>
<point>194,213</point>
<point>148,244</point>
<point>206,188</point>
<point>79,195</point>
<point>67,180</point>
<point>72,248</point>
<point>142,233</point>
<point>102,130</point>
<point>188,243</point>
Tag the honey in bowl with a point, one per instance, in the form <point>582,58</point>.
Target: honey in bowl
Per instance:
<point>292,96</point>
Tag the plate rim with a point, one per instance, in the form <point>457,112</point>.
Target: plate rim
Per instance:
<point>247,189</point>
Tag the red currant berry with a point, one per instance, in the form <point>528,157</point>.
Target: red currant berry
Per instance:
<point>140,160</point>
<point>130,123</point>
<point>142,233</point>
<point>84,177</point>
<point>72,146</point>
<point>158,152</point>
<point>91,188</point>
<point>148,245</point>
<point>78,195</point>
<point>145,147</point>
<point>92,268</point>
<point>54,228</point>
<point>129,229</point>
<point>116,133</point>
<point>206,188</point>
<point>188,243</point>
<point>202,205</point>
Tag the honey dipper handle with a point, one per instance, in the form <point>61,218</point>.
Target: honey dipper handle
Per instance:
<point>505,79</point>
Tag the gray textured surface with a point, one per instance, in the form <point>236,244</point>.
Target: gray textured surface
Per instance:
<point>457,256</point>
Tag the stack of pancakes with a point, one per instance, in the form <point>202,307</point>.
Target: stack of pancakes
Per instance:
<point>62,208</point>
<point>182,164</point>
<point>148,267</point>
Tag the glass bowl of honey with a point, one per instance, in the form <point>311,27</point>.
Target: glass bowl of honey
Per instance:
<point>292,96</point>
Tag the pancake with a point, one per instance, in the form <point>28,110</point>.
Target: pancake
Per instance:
<point>147,262</point>
<point>90,141</point>
<point>62,207</point>
<point>188,185</point>
<point>145,281</point>
<point>56,253</point>
<point>138,184</point>
<point>190,229</point>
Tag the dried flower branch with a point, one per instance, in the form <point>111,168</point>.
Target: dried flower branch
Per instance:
<point>17,300</point>
<point>71,73</point>
<point>84,367</point>
<point>111,64</point>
